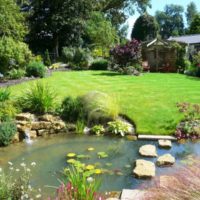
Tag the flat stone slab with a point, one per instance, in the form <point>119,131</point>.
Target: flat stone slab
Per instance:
<point>165,144</point>
<point>144,169</point>
<point>148,150</point>
<point>132,194</point>
<point>165,160</point>
<point>156,137</point>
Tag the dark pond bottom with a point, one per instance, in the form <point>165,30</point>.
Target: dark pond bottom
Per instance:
<point>50,156</point>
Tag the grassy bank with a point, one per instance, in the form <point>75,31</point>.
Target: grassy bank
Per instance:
<point>150,100</point>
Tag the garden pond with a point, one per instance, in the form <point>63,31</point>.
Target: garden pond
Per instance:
<point>50,156</point>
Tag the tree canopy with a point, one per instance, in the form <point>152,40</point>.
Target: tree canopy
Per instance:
<point>145,28</point>
<point>195,25</point>
<point>191,12</point>
<point>170,20</point>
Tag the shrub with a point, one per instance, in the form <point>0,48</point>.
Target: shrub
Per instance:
<point>16,73</point>
<point>55,66</point>
<point>71,109</point>
<point>99,64</point>
<point>7,131</point>
<point>78,58</point>
<point>39,99</point>
<point>118,127</point>
<point>36,69</point>
<point>126,55</point>
<point>47,60</point>
<point>4,95</point>
<point>13,54</point>
<point>98,129</point>
<point>99,107</point>
<point>7,110</point>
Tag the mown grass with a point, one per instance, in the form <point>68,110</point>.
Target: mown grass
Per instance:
<point>150,100</point>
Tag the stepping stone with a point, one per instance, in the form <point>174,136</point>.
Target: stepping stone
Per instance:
<point>148,151</point>
<point>132,194</point>
<point>144,169</point>
<point>165,144</point>
<point>165,160</point>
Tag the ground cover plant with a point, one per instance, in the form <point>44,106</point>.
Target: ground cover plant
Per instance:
<point>149,100</point>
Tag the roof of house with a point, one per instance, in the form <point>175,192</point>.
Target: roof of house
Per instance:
<point>188,39</point>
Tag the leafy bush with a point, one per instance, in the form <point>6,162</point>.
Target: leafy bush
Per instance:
<point>78,58</point>
<point>16,73</point>
<point>7,110</point>
<point>38,99</point>
<point>7,131</point>
<point>47,60</point>
<point>131,70</point>
<point>4,95</point>
<point>99,107</point>
<point>126,55</point>
<point>13,54</point>
<point>55,66</point>
<point>71,109</point>
<point>36,69</point>
<point>118,127</point>
<point>98,129</point>
<point>99,64</point>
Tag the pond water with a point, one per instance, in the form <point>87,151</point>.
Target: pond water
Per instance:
<point>50,156</point>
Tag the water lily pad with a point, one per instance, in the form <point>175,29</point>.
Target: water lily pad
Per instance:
<point>71,155</point>
<point>98,171</point>
<point>81,156</point>
<point>89,167</point>
<point>108,164</point>
<point>71,161</point>
<point>102,154</point>
<point>90,149</point>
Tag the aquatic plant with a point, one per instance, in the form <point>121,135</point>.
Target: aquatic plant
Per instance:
<point>79,186</point>
<point>118,127</point>
<point>80,125</point>
<point>98,129</point>
<point>102,154</point>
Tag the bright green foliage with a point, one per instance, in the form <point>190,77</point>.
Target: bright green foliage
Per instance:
<point>36,69</point>
<point>12,22</point>
<point>100,31</point>
<point>7,131</point>
<point>195,25</point>
<point>13,54</point>
<point>148,100</point>
<point>4,95</point>
<point>39,99</point>
<point>80,125</point>
<point>99,64</point>
<point>145,28</point>
<point>170,20</point>
<point>118,127</point>
<point>7,110</point>
<point>99,107</point>
<point>98,129</point>
<point>16,73</point>
<point>71,109</point>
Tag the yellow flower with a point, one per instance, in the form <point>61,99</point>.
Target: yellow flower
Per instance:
<point>71,155</point>
<point>71,161</point>
<point>90,149</point>
<point>98,171</point>
<point>90,167</point>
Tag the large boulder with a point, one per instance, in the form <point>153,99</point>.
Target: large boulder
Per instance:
<point>144,169</point>
<point>40,125</point>
<point>164,143</point>
<point>148,151</point>
<point>25,117</point>
<point>165,160</point>
<point>49,118</point>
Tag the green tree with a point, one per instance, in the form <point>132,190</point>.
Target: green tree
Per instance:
<point>195,25</point>
<point>57,23</point>
<point>12,21</point>
<point>145,28</point>
<point>191,12</point>
<point>100,31</point>
<point>171,20</point>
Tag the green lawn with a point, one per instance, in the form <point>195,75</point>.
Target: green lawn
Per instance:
<point>150,100</point>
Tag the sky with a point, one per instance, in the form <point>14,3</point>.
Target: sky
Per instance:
<point>159,5</point>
